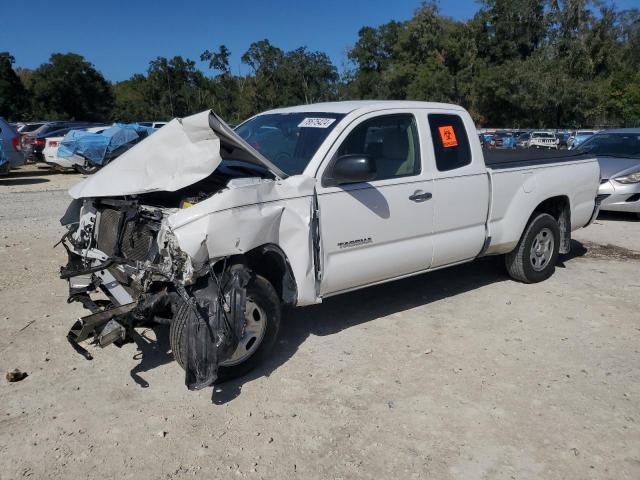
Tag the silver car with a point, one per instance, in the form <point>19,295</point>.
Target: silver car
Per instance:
<point>618,152</point>
<point>10,144</point>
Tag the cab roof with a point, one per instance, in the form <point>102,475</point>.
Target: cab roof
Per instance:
<point>363,105</point>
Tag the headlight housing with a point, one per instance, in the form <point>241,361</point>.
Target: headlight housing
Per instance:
<point>630,178</point>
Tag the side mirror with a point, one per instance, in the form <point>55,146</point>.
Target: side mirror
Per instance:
<point>352,169</point>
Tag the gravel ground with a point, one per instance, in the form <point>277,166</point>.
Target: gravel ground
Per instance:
<point>457,374</point>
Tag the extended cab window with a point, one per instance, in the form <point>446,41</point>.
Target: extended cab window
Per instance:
<point>450,142</point>
<point>391,141</point>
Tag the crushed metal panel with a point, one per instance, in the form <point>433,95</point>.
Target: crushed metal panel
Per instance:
<point>240,219</point>
<point>179,154</point>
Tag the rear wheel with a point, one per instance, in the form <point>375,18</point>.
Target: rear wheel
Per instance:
<point>534,259</point>
<point>262,323</point>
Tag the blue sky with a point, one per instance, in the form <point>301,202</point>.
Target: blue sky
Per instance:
<point>121,37</point>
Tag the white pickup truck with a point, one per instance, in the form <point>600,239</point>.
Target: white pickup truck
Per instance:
<point>211,230</point>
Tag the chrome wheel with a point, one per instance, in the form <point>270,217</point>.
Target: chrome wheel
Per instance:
<point>541,249</point>
<point>255,326</point>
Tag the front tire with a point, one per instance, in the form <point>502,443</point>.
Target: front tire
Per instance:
<point>534,259</point>
<point>262,323</point>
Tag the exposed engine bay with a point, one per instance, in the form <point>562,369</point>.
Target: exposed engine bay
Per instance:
<point>193,228</point>
<point>124,249</point>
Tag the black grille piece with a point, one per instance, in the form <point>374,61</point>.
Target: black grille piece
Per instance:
<point>108,231</point>
<point>633,198</point>
<point>137,241</point>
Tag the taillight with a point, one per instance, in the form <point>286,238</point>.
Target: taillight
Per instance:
<point>15,141</point>
<point>53,143</point>
<point>38,141</point>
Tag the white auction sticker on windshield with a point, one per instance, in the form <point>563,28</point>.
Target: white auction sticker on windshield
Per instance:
<point>311,122</point>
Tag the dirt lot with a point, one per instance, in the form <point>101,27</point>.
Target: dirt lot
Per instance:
<point>458,374</point>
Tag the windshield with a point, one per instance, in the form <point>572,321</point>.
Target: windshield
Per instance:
<point>288,140</point>
<point>613,145</point>
<point>542,135</point>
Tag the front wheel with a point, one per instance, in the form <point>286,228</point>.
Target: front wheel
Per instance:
<point>262,323</point>
<point>534,259</point>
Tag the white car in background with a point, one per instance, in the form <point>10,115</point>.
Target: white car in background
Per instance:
<point>543,140</point>
<point>152,124</point>
<point>50,151</point>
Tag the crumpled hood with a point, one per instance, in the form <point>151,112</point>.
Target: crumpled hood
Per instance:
<point>179,154</point>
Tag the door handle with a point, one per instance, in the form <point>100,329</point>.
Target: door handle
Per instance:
<point>420,196</point>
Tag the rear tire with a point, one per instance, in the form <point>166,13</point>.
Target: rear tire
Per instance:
<point>534,259</point>
<point>260,293</point>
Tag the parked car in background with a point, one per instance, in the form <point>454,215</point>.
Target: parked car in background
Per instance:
<point>26,127</point>
<point>33,143</point>
<point>504,140</point>
<point>578,138</point>
<point>540,139</point>
<point>50,151</point>
<point>152,124</point>
<point>523,140</point>
<point>486,139</point>
<point>618,152</point>
<point>563,138</point>
<point>90,151</point>
<point>4,163</point>
<point>11,153</point>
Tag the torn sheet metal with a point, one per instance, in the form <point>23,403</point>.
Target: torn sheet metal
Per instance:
<point>249,215</point>
<point>181,153</point>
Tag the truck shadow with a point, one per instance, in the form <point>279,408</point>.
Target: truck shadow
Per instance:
<point>152,353</point>
<point>345,311</point>
<point>618,216</point>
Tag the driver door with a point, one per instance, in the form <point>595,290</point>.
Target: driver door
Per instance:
<point>378,230</point>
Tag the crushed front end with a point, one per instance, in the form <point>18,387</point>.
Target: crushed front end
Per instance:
<point>125,267</point>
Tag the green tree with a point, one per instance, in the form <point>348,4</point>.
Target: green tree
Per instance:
<point>69,87</point>
<point>225,87</point>
<point>132,100</point>
<point>510,29</point>
<point>175,88</point>
<point>14,101</point>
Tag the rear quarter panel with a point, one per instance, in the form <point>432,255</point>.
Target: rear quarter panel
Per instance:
<point>516,192</point>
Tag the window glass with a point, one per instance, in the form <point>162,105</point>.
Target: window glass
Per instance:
<point>450,142</point>
<point>289,140</point>
<point>392,142</point>
<point>612,145</point>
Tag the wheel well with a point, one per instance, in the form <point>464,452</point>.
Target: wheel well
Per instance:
<point>559,208</point>
<point>270,262</point>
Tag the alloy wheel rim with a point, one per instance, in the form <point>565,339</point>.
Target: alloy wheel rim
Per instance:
<point>541,249</point>
<point>255,326</point>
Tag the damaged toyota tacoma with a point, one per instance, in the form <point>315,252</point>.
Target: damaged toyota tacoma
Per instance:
<point>212,230</point>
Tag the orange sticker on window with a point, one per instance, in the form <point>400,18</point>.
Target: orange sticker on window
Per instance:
<point>448,136</point>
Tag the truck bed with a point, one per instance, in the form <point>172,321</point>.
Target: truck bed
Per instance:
<point>497,159</point>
